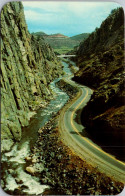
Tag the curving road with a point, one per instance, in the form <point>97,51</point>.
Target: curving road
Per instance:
<point>71,129</point>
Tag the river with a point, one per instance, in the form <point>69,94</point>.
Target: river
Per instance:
<point>13,162</point>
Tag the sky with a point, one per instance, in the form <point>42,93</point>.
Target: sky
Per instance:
<point>68,18</point>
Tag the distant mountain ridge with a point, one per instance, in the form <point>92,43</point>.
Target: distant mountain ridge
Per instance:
<point>58,35</point>
<point>41,33</point>
<point>80,37</point>
<point>62,43</point>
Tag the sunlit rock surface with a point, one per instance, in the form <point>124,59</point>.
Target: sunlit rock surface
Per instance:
<point>27,67</point>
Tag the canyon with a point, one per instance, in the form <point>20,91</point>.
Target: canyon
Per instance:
<point>36,92</point>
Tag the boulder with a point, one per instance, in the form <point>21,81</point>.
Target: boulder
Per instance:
<point>30,170</point>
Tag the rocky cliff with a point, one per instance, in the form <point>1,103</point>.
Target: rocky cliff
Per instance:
<point>101,62</point>
<point>109,34</point>
<point>28,65</point>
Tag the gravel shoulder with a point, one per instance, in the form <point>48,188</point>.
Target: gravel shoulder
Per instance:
<point>59,167</point>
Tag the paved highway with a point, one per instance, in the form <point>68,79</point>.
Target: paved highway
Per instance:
<point>71,129</point>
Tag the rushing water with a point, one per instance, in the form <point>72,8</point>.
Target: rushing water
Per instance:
<point>13,162</point>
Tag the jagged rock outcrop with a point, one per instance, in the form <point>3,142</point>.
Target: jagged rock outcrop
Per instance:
<point>28,66</point>
<point>101,62</point>
<point>110,33</point>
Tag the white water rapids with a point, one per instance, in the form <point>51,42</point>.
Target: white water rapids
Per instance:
<point>13,162</point>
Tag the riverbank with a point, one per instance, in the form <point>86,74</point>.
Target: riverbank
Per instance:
<point>62,170</point>
<point>13,163</point>
<point>50,167</point>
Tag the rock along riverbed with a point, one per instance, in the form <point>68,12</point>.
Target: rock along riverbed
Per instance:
<point>13,163</point>
<point>57,170</point>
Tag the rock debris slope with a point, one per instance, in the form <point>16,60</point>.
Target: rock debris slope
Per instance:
<point>28,65</point>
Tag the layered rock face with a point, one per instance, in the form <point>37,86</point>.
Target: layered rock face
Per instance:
<point>101,62</point>
<point>27,67</point>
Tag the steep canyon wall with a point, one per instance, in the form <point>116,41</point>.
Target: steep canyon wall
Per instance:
<point>28,65</point>
<point>101,62</point>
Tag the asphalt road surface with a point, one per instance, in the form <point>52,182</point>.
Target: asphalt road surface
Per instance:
<point>72,130</point>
